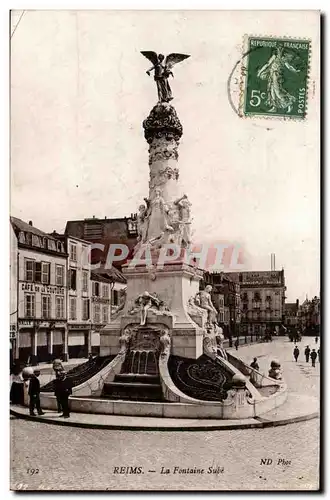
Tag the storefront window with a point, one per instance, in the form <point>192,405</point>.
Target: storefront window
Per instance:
<point>45,306</point>
<point>29,270</point>
<point>45,273</point>
<point>105,314</point>
<point>59,307</point>
<point>73,279</point>
<point>30,306</point>
<point>85,281</point>
<point>73,308</point>
<point>97,318</point>
<point>59,275</point>
<point>73,252</point>
<point>85,309</point>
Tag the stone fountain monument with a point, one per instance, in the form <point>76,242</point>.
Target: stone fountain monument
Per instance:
<point>160,310</point>
<point>162,354</point>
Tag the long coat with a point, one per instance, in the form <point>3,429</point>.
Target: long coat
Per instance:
<point>34,386</point>
<point>63,387</point>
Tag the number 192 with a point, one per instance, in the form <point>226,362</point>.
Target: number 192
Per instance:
<point>32,471</point>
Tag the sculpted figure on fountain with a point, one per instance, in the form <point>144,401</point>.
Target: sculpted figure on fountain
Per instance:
<point>149,302</point>
<point>165,341</point>
<point>203,300</point>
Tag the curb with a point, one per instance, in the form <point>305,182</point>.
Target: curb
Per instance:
<point>259,423</point>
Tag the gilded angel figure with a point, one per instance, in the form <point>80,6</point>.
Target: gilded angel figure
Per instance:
<point>162,71</point>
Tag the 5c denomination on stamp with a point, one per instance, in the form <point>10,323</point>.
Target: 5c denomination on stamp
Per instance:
<point>274,77</point>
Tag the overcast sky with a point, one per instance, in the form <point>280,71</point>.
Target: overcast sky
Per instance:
<point>79,94</point>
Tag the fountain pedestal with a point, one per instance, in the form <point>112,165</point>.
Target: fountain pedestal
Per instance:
<point>175,284</point>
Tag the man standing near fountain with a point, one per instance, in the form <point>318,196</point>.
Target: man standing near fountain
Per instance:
<point>34,393</point>
<point>64,388</point>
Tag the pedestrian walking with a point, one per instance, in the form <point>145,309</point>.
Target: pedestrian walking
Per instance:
<point>254,364</point>
<point>236,344</point>
<point>307,353</point>
<point>318,354</point>
<point>296,353</point>
<point>34,393</point>
<point>64,391</point>
<point>313,357</point>
<point>316,340</point>
<point>57,390</point>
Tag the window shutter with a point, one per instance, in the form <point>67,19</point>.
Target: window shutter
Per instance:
<point>37,272</point>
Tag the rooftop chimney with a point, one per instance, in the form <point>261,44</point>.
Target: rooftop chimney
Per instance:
<point>30,223</point>
<point>272,262</point>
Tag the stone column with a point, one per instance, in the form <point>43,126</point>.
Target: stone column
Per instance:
<point>65,344</point>
<point>50,344</point>
<point>166,218</point>
<point>34,343</point>
<point>16,346</point>
<point>89,342</point>
<point>162,130</point>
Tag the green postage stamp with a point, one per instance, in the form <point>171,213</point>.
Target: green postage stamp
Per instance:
<point>275,77</point>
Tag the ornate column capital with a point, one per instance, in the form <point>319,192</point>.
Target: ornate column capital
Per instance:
<point>162,121</point>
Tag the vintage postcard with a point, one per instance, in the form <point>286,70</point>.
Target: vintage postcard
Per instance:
<point>165,250</point>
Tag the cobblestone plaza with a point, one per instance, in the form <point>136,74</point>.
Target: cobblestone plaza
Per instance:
<point>69,458</point>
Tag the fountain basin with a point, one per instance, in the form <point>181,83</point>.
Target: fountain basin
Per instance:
<point>225,410</point>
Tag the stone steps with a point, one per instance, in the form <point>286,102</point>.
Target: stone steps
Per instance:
<point>134,391</point>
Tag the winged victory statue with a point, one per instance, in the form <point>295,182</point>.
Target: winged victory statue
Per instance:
<point>162,71</point>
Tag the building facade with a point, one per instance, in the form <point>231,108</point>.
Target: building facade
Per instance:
<point>104,233</point>
<point>262,301</point>
<point>309,316</point>
<point>13,316</point>
<point>41,294</point>
<point>100,306</point>
<point>291,314</point>
<point>57,306</point>
<point>79,297</point>
<point>218,300</point>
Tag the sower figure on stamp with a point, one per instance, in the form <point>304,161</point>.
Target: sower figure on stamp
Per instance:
<point>34,393</point>
<point>272,71</point>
